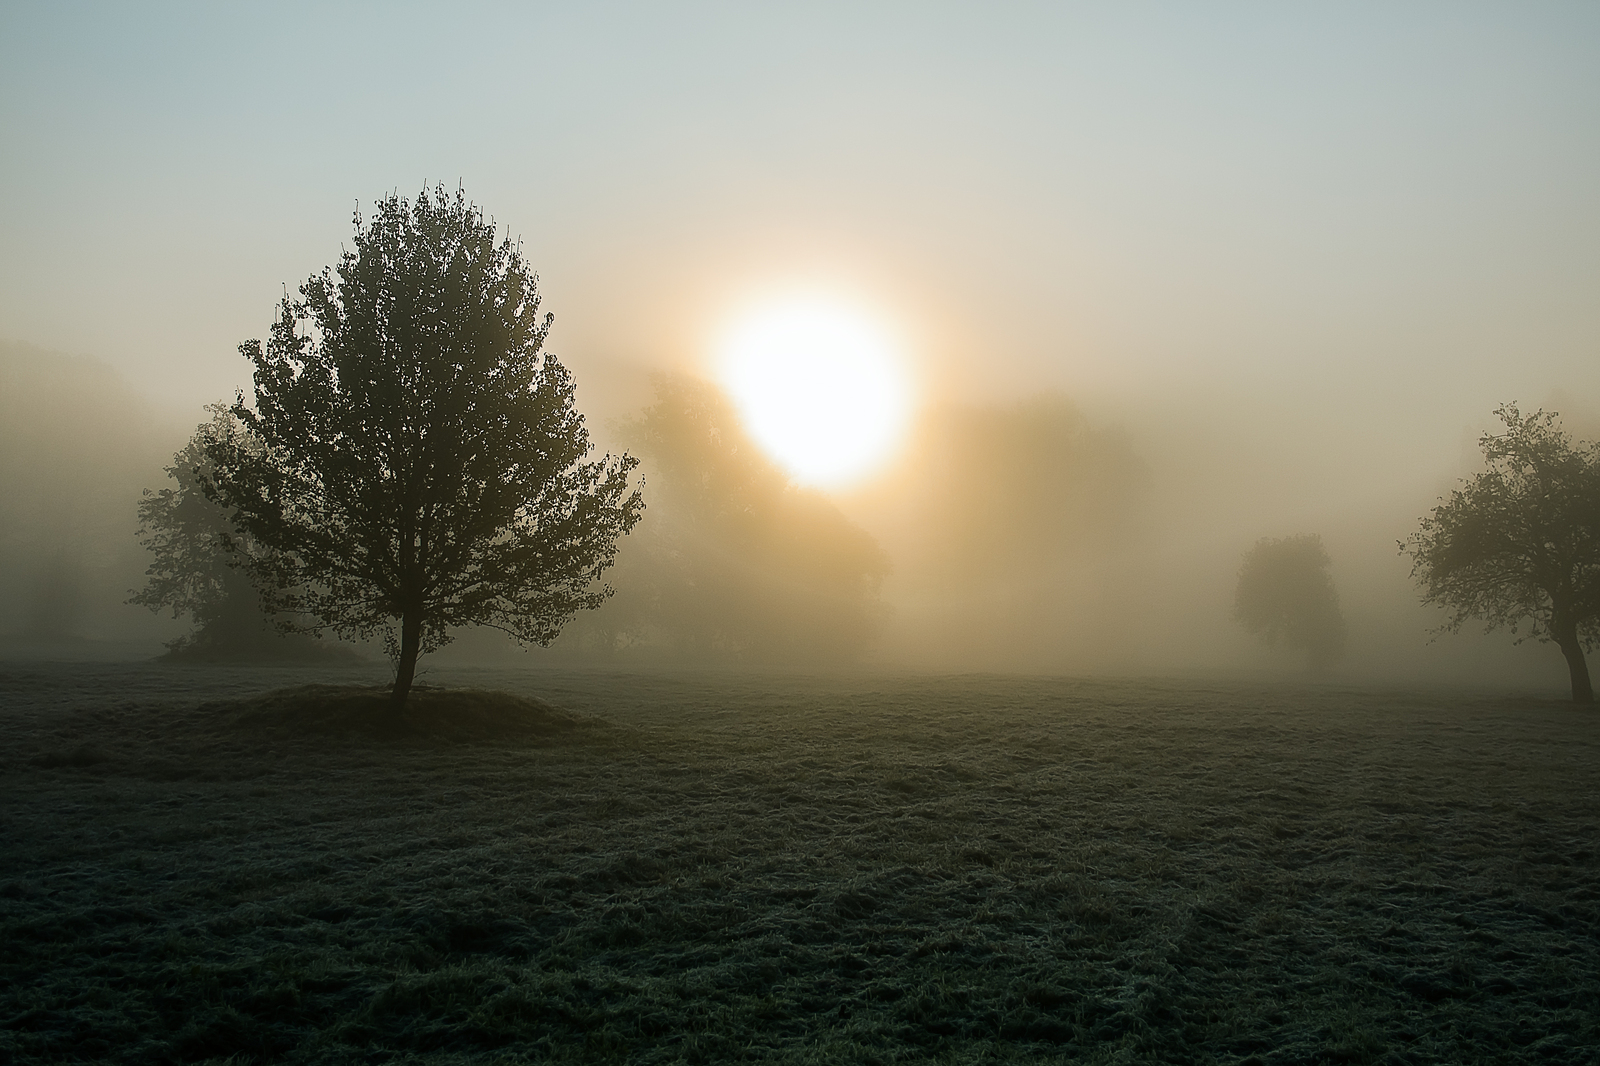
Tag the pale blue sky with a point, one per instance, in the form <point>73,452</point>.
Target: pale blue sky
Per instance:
<point>1388,213</point>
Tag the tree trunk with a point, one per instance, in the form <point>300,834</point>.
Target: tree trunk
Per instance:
<point>1582,690</point>
<point>406,668</point>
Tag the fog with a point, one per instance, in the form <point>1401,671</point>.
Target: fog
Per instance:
<point>1170,281</point>
<point>77,444</point>
<point>1025,536</point>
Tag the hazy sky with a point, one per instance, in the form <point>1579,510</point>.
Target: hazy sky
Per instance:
<point>1290,218</point>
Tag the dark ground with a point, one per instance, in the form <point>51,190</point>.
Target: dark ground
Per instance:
<point>736,867</point>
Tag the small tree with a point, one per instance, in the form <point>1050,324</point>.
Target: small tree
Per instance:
<point>421,465</point>
<point>195,570</point>
<point>1285,594</point>
<point>1519,544</point>
<point>192,572</point>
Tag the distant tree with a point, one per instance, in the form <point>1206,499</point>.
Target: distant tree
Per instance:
<point>735,561</point>
<point>1519,544</point>
<point>1017,531</point>
<point>195,569</point>
<point>1003,490</point>
<point>192,572</point>
<point>414,460</point>
<point>1285,594</point>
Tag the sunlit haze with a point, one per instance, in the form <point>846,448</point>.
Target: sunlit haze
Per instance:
<point>888,531</point>
<point>820,384</point>
<point>1004,332</point>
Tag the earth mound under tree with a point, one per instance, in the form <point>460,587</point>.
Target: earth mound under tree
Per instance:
<point>455,715</point>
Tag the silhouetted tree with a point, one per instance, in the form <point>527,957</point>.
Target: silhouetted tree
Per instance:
<point>195,551</point>
<point>192,572</point>
<point>1519,543</point>
<point>421,464</point>
<point>735,561</point>
<point>1285,594</point>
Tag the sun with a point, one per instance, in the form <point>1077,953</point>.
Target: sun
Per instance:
<point>820,384</point>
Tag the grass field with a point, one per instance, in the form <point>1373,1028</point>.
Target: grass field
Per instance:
<point>750,868</point>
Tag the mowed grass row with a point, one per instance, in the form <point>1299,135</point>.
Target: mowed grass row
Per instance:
<point>740,867</point>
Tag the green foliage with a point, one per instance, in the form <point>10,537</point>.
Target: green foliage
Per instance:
<point>1518,545</point>
<point>421,460</point>
<point>1285,594</point>
<point>735,561</point>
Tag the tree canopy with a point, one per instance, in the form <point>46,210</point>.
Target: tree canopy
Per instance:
<point>1518,545</point>
<point>415,460</point>
<point>1286,595</point>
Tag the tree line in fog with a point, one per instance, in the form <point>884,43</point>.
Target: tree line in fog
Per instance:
<point>412,464</point>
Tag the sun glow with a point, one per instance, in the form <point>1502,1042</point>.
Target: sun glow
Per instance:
<point>820,384</point>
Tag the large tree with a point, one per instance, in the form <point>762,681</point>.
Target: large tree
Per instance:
<point>1518,545</point>
<point>416,461</point>
<point>1285,595</point>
